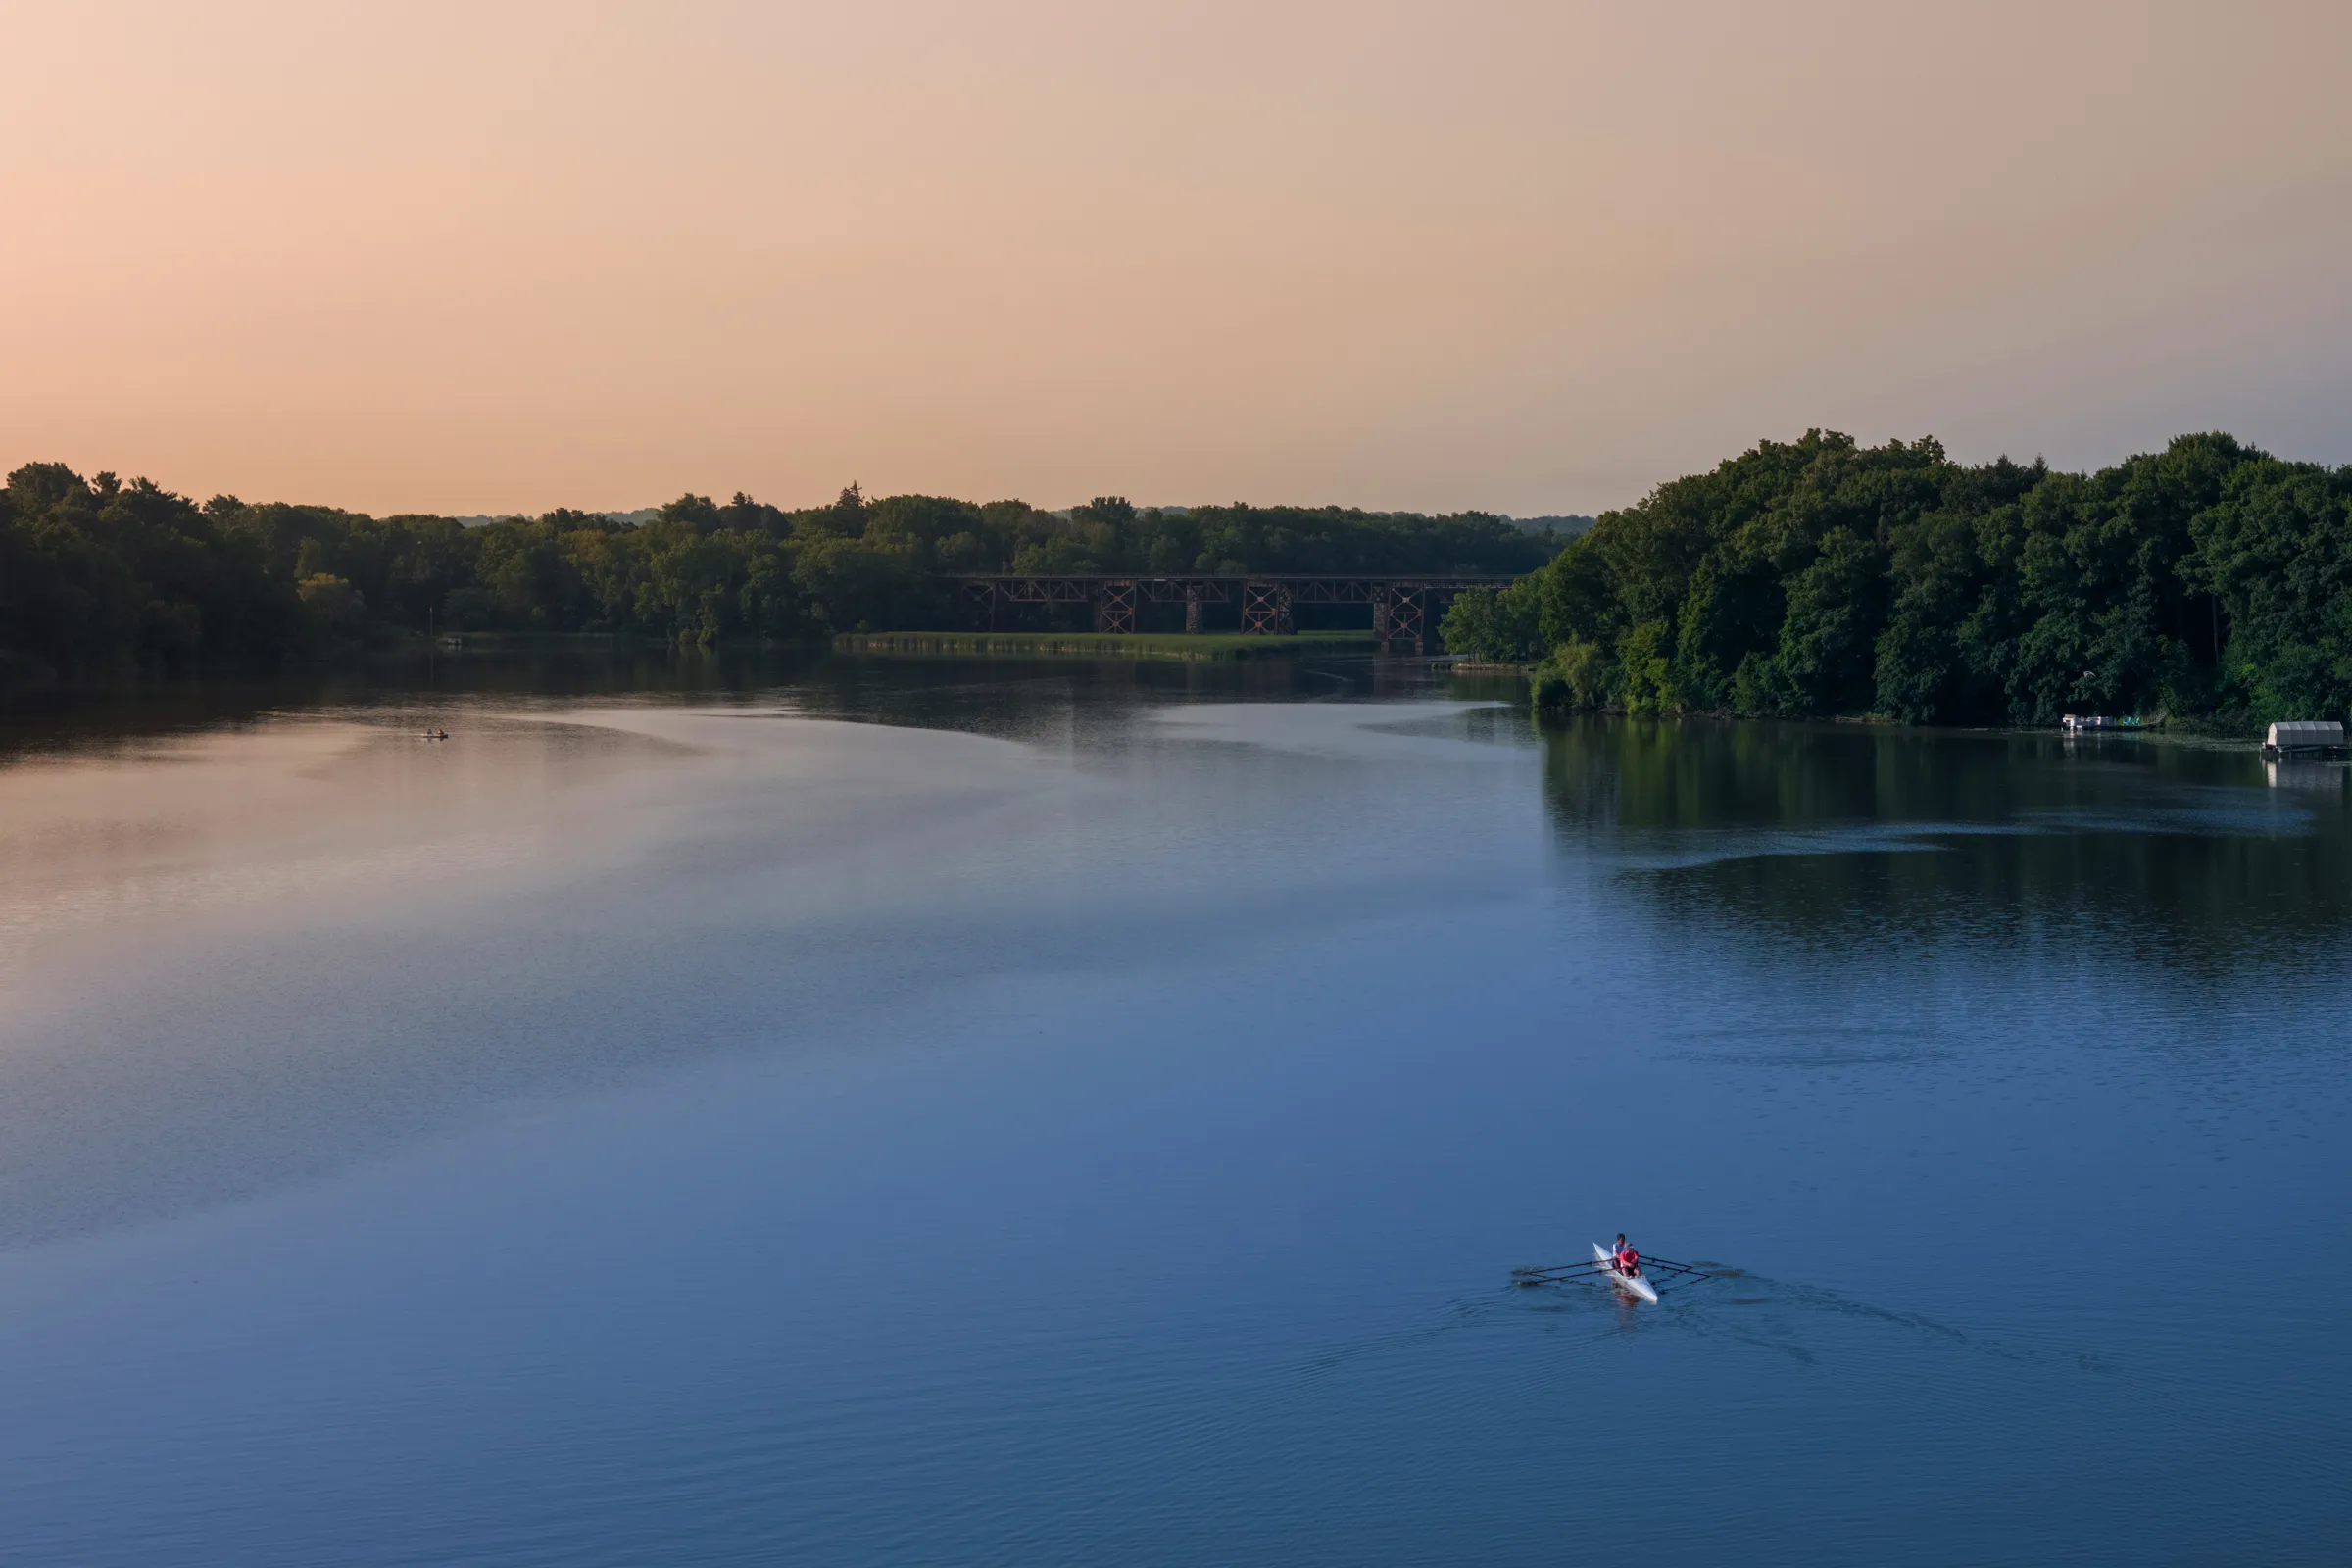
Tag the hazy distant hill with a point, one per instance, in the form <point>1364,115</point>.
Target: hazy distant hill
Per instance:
<point>1560,526</point>
<point>1565,526</point>
<point>630,519</point>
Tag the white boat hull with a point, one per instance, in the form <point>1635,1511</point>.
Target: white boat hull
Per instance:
<point>1633,1285</point>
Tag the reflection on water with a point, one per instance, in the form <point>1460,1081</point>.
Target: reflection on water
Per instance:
<point>2307,773</point>
<point>1007,696</point>
<point>249,934</point>
<point>939,1111</point>
<point>1843,835</point>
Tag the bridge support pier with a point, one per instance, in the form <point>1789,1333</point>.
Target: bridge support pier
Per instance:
<point>1401,614</point>
<point>980,605</point>
<point>1114,606</point>
<point>1266,609</point>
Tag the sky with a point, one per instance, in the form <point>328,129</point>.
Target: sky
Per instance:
<point>1529,258</point>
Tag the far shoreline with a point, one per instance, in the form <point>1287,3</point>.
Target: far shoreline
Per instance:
<point>1207,645</point>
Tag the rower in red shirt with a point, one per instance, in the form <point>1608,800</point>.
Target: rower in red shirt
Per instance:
<point>1629,1261</point>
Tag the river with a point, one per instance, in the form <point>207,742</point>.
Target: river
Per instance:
<point>949,1112</point>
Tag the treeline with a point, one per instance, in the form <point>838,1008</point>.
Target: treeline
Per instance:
<point>1821,577</point>
<point>97,575</point>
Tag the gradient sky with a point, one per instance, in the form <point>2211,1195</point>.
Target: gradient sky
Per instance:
<point>1527,257</point>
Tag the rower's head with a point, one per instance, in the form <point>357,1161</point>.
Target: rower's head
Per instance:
<point>1621,1238</point>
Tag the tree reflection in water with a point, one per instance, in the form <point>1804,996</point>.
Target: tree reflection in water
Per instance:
<point>2188,855</point>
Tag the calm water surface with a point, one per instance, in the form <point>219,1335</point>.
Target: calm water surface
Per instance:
<point>947,1112</point>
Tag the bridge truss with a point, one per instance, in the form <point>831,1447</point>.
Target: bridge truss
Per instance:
<point>1401,604</point>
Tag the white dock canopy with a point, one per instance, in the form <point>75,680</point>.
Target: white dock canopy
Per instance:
<point>2305,735</point>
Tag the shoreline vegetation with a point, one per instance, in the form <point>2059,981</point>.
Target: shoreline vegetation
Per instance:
<point>2209,584</point>
<point>1105,644</point>
<point>99,577</point>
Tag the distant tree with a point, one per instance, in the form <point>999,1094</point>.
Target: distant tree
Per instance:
<point>1811,577</point>
<point>1502,625</point>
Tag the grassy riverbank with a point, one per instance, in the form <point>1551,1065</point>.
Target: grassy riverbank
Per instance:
<point>1102,645</point>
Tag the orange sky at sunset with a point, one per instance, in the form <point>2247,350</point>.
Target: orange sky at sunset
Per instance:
<point>1526,257</point>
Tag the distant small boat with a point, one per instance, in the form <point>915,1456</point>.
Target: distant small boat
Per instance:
<point>435,735</point>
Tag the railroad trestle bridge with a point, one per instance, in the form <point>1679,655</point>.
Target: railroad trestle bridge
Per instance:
<point>1402,604</point>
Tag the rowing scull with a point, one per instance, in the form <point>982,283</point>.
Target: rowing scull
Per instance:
<point>1634,1285</point>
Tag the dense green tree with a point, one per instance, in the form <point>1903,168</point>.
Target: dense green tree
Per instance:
<point>1504,624</point>
<point>2275,555</point>
<point>1823,577</point>
<point>1812,576</point>
<point>1836,610</point>
<point>96,575</point>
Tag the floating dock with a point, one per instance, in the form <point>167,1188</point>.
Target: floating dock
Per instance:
<point>2304,735</point>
